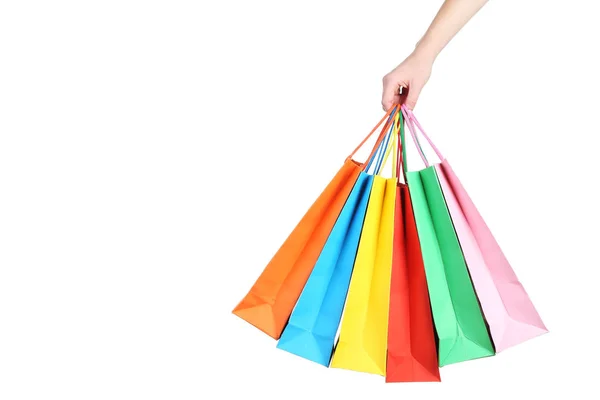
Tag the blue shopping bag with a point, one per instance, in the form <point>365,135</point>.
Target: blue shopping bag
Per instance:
<point>314,322</point>
<point>312,327</point>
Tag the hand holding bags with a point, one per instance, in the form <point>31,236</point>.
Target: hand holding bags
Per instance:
<point>509,312</point>
<point>395,263</point>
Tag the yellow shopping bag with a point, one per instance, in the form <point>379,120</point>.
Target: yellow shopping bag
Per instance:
<point>362,344</point>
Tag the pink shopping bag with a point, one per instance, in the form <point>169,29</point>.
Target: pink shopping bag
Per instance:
<point>510,314</point>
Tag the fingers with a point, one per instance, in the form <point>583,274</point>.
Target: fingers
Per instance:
<point>413,95</point>
<point>390,95</point>
<point>388,103</point>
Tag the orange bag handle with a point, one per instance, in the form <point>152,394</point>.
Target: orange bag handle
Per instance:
<point>390,149</point>
<point>381,135</point>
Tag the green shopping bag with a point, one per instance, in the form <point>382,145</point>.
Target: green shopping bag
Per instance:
<point>457,316</point>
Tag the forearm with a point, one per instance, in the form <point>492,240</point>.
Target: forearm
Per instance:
<point>413,73</point>
<point>450,19</point>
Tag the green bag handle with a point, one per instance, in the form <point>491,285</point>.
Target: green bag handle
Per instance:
<point>405,117</point>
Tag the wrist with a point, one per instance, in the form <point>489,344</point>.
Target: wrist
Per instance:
<point>426,50</point>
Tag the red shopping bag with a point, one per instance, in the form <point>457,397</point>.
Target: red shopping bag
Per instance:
<point>412,353</point>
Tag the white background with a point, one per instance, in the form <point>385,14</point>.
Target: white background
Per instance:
<point>155,154</point>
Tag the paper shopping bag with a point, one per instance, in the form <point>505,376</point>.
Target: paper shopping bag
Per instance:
<point>310,332</point>
<point>509,312</point>
<point>362,344</point>
<point>411,353</point>
<point>458,319</point>
<point>270,301</point>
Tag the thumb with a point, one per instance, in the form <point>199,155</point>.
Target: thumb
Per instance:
<point>413,95</point>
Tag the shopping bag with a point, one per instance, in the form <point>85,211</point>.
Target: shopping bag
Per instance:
<point>458,319</point>
<point>310,332</point>
<point>270,301</point>
<point>508,310</point>
<point>412,352</point>
<point>362,344</point>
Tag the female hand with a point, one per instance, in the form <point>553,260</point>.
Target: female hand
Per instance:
<point>411,75</point>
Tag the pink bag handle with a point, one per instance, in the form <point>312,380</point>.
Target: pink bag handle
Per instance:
<point>411,121</point>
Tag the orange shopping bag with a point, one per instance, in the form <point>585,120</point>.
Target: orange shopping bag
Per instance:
<point>270,301</point>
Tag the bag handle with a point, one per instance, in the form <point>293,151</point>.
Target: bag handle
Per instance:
<point>389,116</point>
<point>411,121</point>
<point>391,146</point>
<point>388,146</point>
<point>381,149</point>
<point>402,148</point>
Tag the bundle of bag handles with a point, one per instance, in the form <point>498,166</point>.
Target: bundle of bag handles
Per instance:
<point>392,139</point>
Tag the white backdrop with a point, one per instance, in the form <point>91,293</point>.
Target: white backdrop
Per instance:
<point>155,154</point>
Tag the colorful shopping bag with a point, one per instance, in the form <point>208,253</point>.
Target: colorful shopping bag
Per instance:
<point>362,344</point>
<point>458,319</point>
<point>270,301</point>
<point>311,330</point>
<point>412,352</point>
<point>509,312</point>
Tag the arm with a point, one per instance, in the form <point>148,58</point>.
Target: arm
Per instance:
<point>413,73</point>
